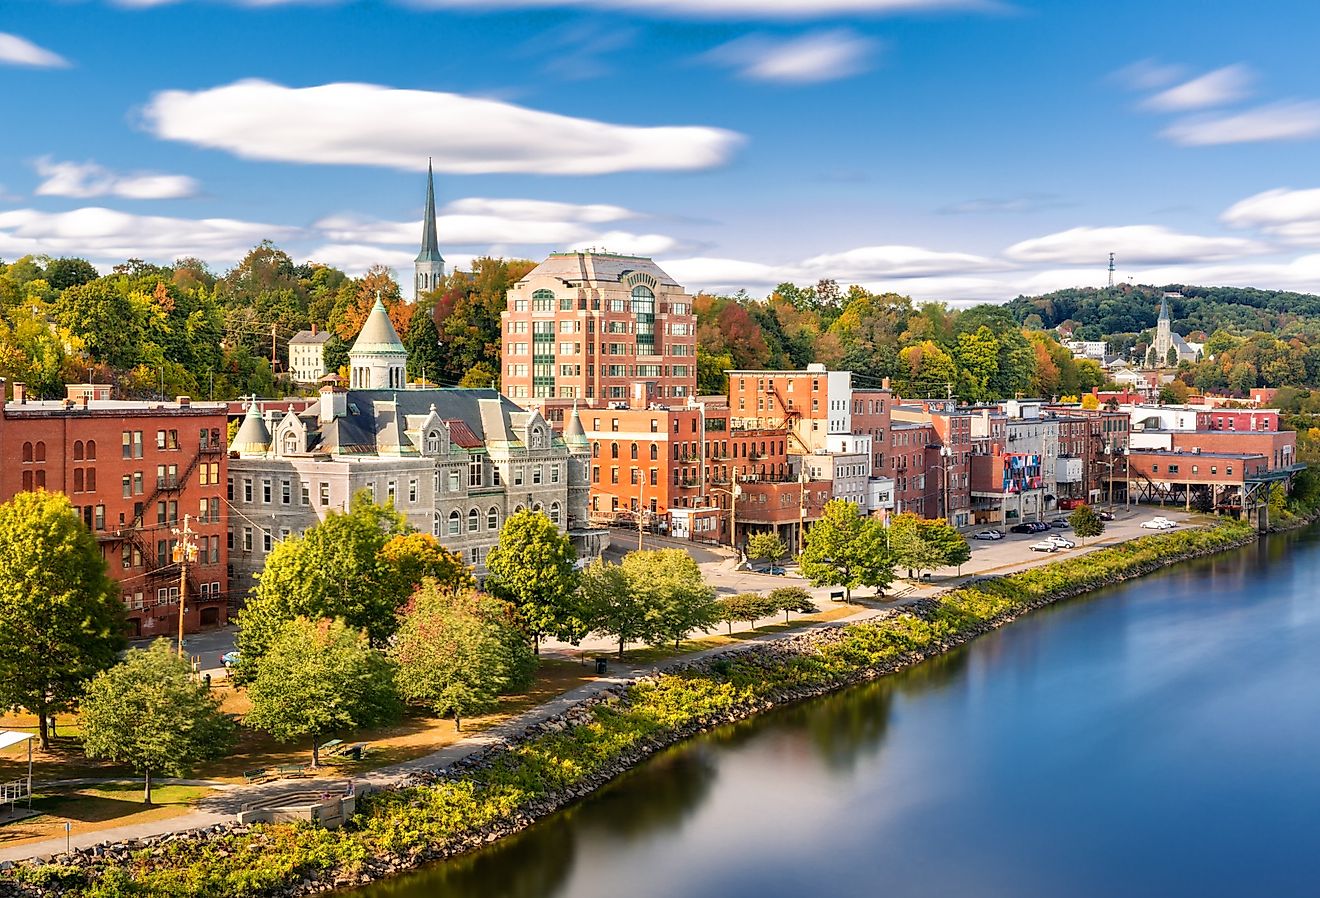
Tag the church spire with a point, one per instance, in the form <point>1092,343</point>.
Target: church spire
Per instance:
<point>1164,309</point>
<point>429,268</point>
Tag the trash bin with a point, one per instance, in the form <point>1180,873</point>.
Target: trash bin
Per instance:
<point>206,680</point>
<point>601,666</point>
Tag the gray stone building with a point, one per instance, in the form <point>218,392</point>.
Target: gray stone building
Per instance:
<point>456,462</point>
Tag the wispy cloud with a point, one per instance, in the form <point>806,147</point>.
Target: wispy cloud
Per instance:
<point>87,179</point>
<point>1018,205</point>
<point>1134,244</point>
<point>1147,74</point>
<point>808,58</point>
<point>1217,88</point>
<point>367,124</point>
<point>1293,215</point>
<point>15,50</point>
<point>1293,120</point>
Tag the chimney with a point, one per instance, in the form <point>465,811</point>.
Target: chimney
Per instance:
<point>884,383</point>
<point>20,392</point>
<point>334,403</point>
<point>313,329</point>
<point>185,401</point>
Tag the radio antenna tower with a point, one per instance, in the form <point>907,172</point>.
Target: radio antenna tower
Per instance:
<point>1111,269</point>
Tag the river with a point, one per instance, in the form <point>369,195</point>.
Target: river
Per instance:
<point>1154,739</point>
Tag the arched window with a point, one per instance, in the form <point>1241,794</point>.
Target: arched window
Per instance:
<point>290,443</point>
<point>655,452</point>
<point>493,518</point>
<point>634,452</point>
<point>433,442</point>
<point>27,453</point>
<point>474,520</point>
<point>435,524</point>
<point>520,509</point>
<point>614,450</point>
<point>91,450</point>
<point>455,523</point>
<point>595,450</point>
<point>41,451</point>
<point>78,450</point>
<point>538,507</point>
<point>554,512</point>
<point>543,301</point>
<point>643,307</point>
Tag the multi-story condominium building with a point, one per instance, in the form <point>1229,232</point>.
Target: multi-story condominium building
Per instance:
<point>597,328</point>
<point>307,355</point>
<point>455,462</point>
<point>133,471</point>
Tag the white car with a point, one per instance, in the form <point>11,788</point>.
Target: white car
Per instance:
<point>1158,524</point>
<point>988,534</point>
<point>1045,545</point>
<point>1062,542</point>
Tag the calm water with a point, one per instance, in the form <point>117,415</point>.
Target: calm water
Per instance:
<point>1162,738</point>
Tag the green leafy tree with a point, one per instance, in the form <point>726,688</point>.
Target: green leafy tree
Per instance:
<point>677,600</point>
<point>335,570</point>
<point>765,546</point>
<point>610,605</point>
<point>915,545</point>
<point>413,557</point>
<point>320,677</point>
<point>951,545</point>
<point>532,567</point>
<point>1086,523</point>
<point>149,712</point>
<point>845,549</point>
<point>61,616</point>
<point>458,651</point>
<point>745,606</point>
<point>792,599</point>
<point>426,357</point>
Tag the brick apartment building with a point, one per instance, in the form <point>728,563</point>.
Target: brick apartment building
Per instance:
<point>590,327</point>
<point>132,470</point>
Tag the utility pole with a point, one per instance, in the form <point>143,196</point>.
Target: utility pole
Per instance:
<point>802,507</point>
<point>641,509</point>
<point>184,553</point>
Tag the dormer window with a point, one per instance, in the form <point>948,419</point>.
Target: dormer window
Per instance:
<point>290,443</point>
<point>433,443</point>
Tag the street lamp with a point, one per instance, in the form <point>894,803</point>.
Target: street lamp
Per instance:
<point>1114,453</point>
<point>802,507</point>
<point>945,453</point>
<point>733,493</point>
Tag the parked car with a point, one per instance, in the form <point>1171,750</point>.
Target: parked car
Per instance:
<point>1061,542</point>
<point>1040,527</point>
<point>988,534</point>
<point>1060,524</point>
<point>1045,545</point>
<point>1159,524</point>
<point>1024,527</point>
<point>1105,515</point>
<point>229,659</point>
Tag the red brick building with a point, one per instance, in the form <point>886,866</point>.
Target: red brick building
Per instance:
<point>132,470</point>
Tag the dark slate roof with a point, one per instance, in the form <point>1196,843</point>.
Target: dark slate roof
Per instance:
<point>309,337</point>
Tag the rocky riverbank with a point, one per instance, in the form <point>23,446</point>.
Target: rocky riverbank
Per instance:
<point>394,832</point>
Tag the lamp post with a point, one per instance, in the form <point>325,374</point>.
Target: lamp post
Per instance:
<point>733,494</point>
<point>802,508</point>
<point>184,553</point>
<point>945,453</point>
<point>1114,453</point>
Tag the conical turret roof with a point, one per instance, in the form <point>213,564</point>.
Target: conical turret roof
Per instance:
<point>378,334</point>
<point>253,436</point>
<point>574,436</point>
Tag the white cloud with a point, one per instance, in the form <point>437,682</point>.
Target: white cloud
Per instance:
<point>1217,88</point>
<point>540,210</point>
<point>368,124</point>
<point>809,58</point>
<point>1293,120</point>
<point>629,244</point>
<point>106,234</point>
<point>15,50</point>
<point>87,179</point>
<point>1134,244</point>
<point>1293,215</point>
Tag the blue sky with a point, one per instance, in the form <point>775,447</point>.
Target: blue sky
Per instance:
<point>944,149</point>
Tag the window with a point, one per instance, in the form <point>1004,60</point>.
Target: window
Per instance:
<point>536,474</point>
<point>391,492</point>
<point>306,495</point>
<point>27,451</point>
<point>433,442</point>
<point>493,518</point>
<point>78,450</point>
<point>543,301</point>
<point>265,490</point>
<point>286,492</point>
<point>247,489</point>
<point>454,523</point>
<point>91,450</point>
<point>325,493</point>
<point>554,473</point>
<point>474,520</point>
<point>453,482</point>
<point>435,524</point>
<point>554,512</point>
<point>247,539</point>
<point>476,468</point>
<point>127,482</point>
<point>139,487</point>
<point>412,490</point>
<point>266,541</point>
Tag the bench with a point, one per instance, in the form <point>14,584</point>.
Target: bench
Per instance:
<point>291,770</point>
<point>355,752</point>
<point>836,595</point>
<point>259,775</point>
